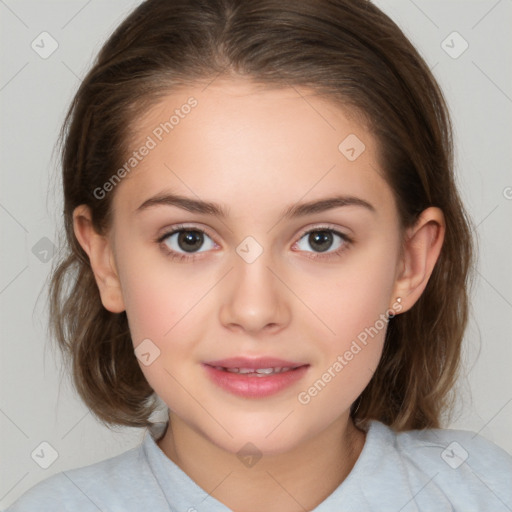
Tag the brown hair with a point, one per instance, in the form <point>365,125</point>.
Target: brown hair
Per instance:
<point>346,49</point>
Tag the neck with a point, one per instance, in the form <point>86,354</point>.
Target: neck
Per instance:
<point>297,480</point>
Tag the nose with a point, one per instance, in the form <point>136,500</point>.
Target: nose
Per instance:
<point>253,298</point>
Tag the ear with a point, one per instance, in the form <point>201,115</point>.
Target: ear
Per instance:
<point>421,249</point>
<point>98,248</point>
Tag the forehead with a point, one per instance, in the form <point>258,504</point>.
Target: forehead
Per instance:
<point>237,140</point>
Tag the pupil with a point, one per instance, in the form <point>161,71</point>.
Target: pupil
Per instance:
<point>189,241</point>
<point>320,240</point>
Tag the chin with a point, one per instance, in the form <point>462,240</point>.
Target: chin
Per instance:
<point>266,436</point>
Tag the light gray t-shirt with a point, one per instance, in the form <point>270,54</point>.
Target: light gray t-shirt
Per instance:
<point>421,470</point>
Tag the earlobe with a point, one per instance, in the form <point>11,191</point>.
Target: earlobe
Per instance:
<point>98,248</point>
<point>421,249</point>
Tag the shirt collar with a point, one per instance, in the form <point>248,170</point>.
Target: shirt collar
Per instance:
<point>183,494</point>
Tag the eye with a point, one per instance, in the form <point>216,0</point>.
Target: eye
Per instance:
<point>185,241</point>
<point>323,240</point>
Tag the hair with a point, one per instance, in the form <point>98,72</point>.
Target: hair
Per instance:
<point>350,52</point>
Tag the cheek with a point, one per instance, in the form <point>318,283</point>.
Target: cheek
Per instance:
<point>355,295</point>
<point>161,322</point>
<point>150,311</point>
<point>157,294</point>
<point>332,390</point>
<point>348,358</point>
<point>353,308</point>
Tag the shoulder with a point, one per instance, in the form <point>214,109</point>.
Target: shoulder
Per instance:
<point>469,471</point>
<point>112,484</point>
<point>450,450</point>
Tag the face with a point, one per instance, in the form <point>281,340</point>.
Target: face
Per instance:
<point>292,266</point>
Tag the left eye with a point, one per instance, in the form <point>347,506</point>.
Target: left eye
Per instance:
<point>188,241</point>
<point>321,240</point>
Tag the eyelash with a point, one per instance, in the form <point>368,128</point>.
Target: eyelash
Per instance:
<point>176,256</point>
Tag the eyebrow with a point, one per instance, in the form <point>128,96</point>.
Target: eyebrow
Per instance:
<point>209,208</point>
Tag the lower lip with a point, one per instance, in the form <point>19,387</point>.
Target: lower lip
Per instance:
<point>253,386</point>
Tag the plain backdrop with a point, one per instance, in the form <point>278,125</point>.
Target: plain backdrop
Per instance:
<point>35,91</point>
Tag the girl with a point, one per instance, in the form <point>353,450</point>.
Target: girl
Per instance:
<point>264,232</point>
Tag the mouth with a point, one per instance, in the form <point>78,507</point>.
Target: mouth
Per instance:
<point>254,378</point>
<point>257,372</point>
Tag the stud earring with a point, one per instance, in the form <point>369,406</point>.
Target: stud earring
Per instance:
<point>399,300</point>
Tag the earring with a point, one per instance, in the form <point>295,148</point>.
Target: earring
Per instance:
<point>399,300</point>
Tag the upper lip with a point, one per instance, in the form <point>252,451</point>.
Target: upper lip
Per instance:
<point>254,363</point>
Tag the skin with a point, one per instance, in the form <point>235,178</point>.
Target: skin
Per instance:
<point>256,151</point>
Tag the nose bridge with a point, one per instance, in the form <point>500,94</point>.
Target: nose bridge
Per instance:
<point>254,299</point>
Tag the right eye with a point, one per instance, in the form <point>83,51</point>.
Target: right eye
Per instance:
<point>182,241</point>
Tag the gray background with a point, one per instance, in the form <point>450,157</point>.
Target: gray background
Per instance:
<point>36,405</point>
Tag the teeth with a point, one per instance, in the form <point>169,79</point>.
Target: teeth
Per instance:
<point>242,370</point>
<point>268,371</point>
<point>257,371</point>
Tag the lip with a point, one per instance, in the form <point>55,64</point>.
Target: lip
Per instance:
<point>250,385</point>
<point>254,363</point>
